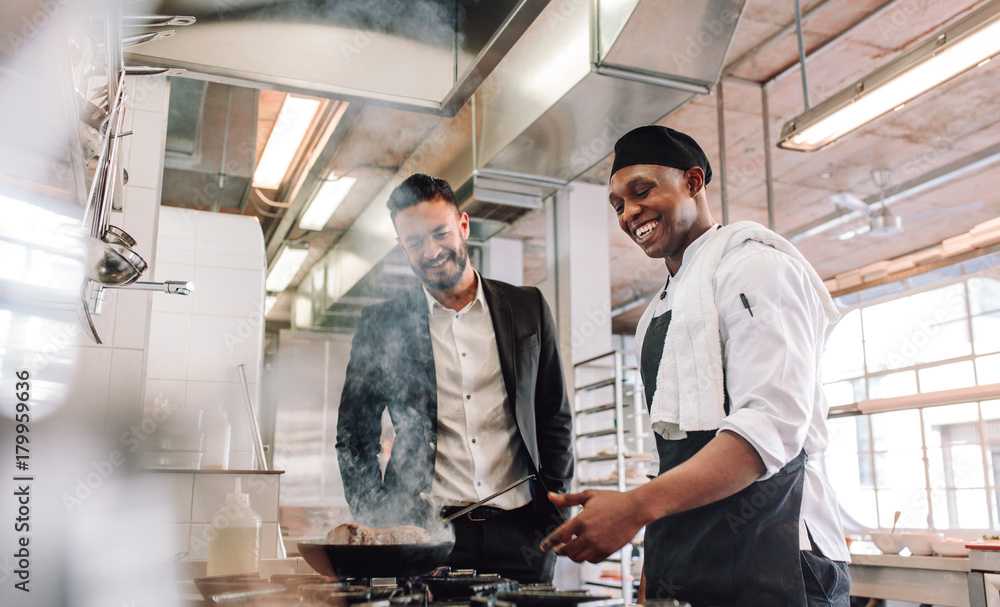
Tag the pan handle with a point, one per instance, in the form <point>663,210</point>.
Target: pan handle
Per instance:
<point>467,509</point>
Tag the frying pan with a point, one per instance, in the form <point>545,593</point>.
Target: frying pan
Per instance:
<point>396,560</point>
<point>399,560</point>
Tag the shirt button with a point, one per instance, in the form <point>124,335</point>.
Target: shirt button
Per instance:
<point>468,396</point>
<point>479,484</point>
<point>473,441</point>
<point>463,353</point>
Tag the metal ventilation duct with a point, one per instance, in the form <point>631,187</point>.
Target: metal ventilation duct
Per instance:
<point>208,161</point>
<point>493,204</point>
<point>580,76</point>
<point>599,77</point>
<point>426,55</point>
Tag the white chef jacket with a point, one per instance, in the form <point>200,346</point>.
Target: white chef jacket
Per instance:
<point>479,448</point>
<point>772,362</point>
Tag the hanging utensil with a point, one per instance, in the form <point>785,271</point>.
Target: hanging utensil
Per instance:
<point>895,518</point>
<point>112,264</point>
<point>83,310</point>
<point>138,39</point>
<point>138,70</point>
<point>157,20</point>
<point>116,235</point>
<point>468,509</point>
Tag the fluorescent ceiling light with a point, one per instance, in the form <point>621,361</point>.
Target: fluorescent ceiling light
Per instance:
<point>296,115</point>
<point>320,209</point>
<point>269,301</point>
<point>958,48</point>
<point>285,267</point>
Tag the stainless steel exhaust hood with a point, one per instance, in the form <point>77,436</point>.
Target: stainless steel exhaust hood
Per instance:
<point>424,55</point>
<point>580,76</point>
<point>600,77</point>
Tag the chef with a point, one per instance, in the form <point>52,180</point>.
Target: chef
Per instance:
<point>729,351</point>
<point>470,373</point>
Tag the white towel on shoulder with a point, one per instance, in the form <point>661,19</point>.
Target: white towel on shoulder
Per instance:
<point>691,366</point>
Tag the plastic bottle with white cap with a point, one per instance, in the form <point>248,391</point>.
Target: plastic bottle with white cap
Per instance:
<point>216,445</point>
<point>235,544</point>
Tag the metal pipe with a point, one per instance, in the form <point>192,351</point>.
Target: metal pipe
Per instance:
<point>174,287</point>
<point>99,186</point>
<point>802,53</point>
<point>828,44</point>
<point>672,83</point>
<point>252,413</point>
<point>626,551</point>
<point>740,61</point>
<point>258,442</point>
<point>113,46</point>
<point>115,180</point>
<point>768,177</point>
<point>720,106</point>
<point>225,143</point>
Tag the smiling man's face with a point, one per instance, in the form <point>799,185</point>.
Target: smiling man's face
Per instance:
<point>659,208</point>
<point>432,234</point>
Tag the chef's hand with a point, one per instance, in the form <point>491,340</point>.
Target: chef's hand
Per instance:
<point>609,520</point>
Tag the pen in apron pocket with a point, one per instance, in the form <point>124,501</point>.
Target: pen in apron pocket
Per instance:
<point>746,304</point>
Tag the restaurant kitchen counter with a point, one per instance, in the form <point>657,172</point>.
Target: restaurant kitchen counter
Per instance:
<point>934,580</point>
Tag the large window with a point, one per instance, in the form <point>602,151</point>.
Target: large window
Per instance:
<point>938,465</point>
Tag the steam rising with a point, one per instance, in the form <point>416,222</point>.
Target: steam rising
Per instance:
<point>429,21</point>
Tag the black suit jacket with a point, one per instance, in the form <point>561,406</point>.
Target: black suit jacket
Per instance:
<point>392,366</point>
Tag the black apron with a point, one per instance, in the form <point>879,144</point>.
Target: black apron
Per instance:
<point>740,551</point>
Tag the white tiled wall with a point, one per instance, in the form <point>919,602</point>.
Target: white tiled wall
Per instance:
<point>107,385</point>
<point>197,341</point>
<point>196,497</point>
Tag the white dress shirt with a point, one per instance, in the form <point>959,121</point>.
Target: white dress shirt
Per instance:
<point>772,361</point>
<point>479,448</point>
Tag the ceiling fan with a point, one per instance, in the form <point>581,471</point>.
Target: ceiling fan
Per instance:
<point>880,220</point>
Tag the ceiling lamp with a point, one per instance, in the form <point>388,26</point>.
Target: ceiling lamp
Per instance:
<point>959,47</point>
<point>285,267</point>
<point>290,129</point>
<point>329,196</point>
<point>269,301</point>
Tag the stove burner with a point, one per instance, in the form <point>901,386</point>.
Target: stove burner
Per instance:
<point>463,588</point>
<point>555,598</point>
<point>466,586</point>
<point>342,594</point>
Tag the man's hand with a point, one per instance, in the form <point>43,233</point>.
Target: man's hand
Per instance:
<point>726,465</point>
<point>609,520</point>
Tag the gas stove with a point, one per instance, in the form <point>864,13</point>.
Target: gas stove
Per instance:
<point>444,588</point>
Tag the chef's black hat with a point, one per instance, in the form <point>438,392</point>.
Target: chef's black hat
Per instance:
<point>660,145</point>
